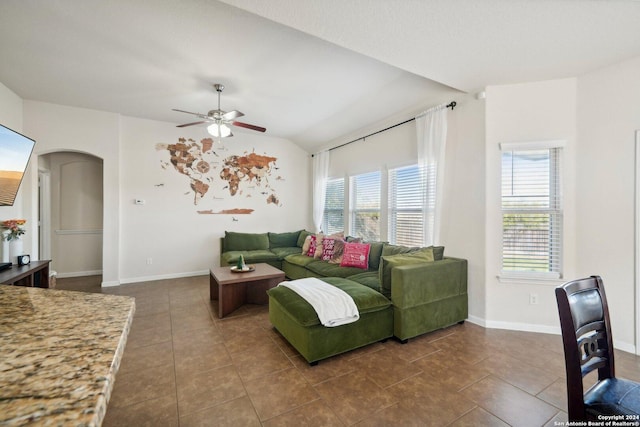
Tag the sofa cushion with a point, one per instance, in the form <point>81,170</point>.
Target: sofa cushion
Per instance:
<point>388,262</point>
<point>302,237</point>
<point>300,259</point>
<point>396,249</point>
<point>250,257</point>
<point>325,269</point>
<point>245,241</point>
<point>283,252</point>
<point>367,300</point>
<point>438,251</point>
<point>370,279</point>
<point>375,252</point>
<point>283,240</point>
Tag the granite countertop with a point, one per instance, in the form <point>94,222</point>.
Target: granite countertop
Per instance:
<point>59,353</point>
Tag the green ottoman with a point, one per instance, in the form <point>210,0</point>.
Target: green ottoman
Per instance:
<point>298,322</point>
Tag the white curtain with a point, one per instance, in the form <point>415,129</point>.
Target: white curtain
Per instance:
<point>320,175</point>
<point>431,127</point>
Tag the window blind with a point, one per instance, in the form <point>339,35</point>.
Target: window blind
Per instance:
<point>333,219</point>
<point>531,211</point>
<point>407,191</point>
<point>365,205</point>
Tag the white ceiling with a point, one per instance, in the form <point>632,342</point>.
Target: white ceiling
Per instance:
<point>307,70</point>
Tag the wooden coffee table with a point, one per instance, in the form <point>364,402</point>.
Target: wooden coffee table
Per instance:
<point>234,289</point>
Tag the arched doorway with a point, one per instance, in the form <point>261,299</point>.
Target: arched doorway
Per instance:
<point>71,212</point>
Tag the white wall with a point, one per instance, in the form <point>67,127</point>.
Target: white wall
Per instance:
<point>168,228</point>
<point>527,112</point>
<point>61,128</point>
<point>608,116</point>
<point>464,215</point>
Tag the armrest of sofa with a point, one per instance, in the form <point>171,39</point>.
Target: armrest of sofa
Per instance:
<point>416,284</point>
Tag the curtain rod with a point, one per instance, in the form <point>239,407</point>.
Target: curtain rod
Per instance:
<point>451,105</point>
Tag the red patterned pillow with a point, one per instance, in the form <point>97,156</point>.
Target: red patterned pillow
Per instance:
<point>328,248</point>
<point>313,243</point>
<point>356,255</point>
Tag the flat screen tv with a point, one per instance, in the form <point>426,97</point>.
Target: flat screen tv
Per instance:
<point>15,151</point>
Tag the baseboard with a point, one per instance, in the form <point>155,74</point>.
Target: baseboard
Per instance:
<point>78,274</point>
<point>110,284</point>
<point>513,326</point>
<point>525,327</point>
<point>163,277</point>
<point>477,320</point>
<point>528,327</point>
<point>624,346</point>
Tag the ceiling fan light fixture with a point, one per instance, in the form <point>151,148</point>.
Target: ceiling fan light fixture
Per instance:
<point>219,130</point>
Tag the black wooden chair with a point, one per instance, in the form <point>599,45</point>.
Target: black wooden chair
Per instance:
<point>588,345</point>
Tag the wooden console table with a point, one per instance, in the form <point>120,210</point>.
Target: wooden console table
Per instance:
<point>35,274</point>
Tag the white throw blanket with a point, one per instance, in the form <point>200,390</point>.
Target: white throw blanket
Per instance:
<point>334,306</point>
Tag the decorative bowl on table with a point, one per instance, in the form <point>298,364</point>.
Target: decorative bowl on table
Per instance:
<point>246,269</point>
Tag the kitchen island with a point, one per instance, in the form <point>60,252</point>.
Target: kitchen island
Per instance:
<point>59,354</point>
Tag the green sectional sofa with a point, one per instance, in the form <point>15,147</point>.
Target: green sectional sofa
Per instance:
<point>403,292</point>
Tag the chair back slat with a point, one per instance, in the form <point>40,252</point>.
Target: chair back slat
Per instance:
<point>592,343</point>
<point>593,364</point>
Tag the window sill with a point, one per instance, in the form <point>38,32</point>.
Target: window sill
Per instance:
<point>515,279</point>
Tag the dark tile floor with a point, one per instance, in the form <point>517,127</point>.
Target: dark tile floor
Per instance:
<point>185,367</point>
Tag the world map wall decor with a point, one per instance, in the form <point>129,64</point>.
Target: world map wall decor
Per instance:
<point>214,177</point>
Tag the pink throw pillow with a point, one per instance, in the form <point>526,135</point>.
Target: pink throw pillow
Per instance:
<point>356,255</point>
<point>312,246</point>
<point>328,247</point>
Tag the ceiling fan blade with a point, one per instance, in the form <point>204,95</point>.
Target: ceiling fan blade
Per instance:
<point>191,124</point>
<point>202,116</point>
<point>248,126</point>
<point>232,115</point>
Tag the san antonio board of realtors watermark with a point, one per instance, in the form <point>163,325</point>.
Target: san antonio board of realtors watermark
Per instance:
<point>604,421</point>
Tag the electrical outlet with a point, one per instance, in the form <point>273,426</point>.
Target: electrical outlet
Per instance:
<point>533,299</point>
<point>149,261</point>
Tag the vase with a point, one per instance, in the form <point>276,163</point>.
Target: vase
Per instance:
<point>15,249</point>
<point>5,247</point>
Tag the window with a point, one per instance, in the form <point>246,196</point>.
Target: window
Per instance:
<point>407,191</point>
<point>365,206</point>
<point>531,209</point>
<point>333,219</point>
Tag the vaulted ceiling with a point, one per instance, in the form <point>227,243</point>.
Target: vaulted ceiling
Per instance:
<point>307,70</point>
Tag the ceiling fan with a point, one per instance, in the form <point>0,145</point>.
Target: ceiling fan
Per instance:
<point>220,119</point>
